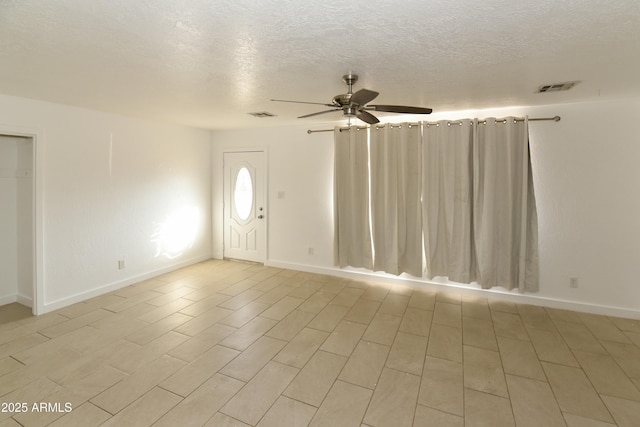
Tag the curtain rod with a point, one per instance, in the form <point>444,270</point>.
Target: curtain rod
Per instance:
<point>533,119</point>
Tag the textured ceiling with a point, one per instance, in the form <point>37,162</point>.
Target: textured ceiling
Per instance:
<point>208,63</point>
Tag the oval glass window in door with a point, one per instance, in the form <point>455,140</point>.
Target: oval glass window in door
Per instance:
<point>243,194</point>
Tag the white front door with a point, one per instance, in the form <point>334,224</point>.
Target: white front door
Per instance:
<point>244,207</point>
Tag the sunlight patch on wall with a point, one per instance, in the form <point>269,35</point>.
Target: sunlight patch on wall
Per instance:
<point>177,232</point>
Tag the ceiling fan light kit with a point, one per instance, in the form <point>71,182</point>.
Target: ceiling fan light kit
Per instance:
<point>355,104</point>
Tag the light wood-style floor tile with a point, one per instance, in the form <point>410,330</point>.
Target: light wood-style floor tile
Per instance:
<point>476,308</point>
<point>253,359</point>
<point>408,353</point>
<point>191,376</point>
<point>578,337</point>
<point>85,415</point>
<point>382,329</point>
<point>625,412</point>
<point>442,386</point>
<point>344,338</point>
<point>225,343</point>
<point>486,410</point>
<point>251,403</point>
<point>519,358</point>
<point>249,333</point>
<point>550,347</point>
<point>114,399</point>
<point>574,392</point>
<point>445,342</point>
<point>195,346</point>
<point>483,371</point>
<point>313,382</point>
<point>533,403</point>
<point>302,347</point>
<point>428,417</point>
<point>289,327</point>
<point>394,399</point>
<point>416,321</point>
<point>328,318</point>
<point>606,376</point>
<point>365,364</point>
<point>345,406</point>
<point>288,413</point>
<point>222,420</point>
<point>508,325</point>
<point>363,311</point>
<point>578,421</point>
<point>146,410</point>
<point>423,299</point>
<point>603,328</point>
<point>448,314</point>
<point>394,304</point>
<point>478,333</point>
<point>203,403</point>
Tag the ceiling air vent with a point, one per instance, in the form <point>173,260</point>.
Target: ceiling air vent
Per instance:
<point>556,87</point>
<point>263,114</point>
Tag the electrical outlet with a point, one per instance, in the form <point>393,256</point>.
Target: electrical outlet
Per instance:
<point>573,282</point>
<point>121,264</point>
<point>310,251</point>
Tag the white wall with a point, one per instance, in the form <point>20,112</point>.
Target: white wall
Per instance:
<point>110,184</point>
<point>586,181</point>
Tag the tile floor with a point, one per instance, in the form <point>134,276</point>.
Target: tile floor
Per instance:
<point>231,344</point>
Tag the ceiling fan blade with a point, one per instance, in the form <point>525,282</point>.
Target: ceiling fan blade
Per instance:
<point>400,109</point>
<point>319,112</point>
<point>303,102</point>
<point>367,117</point>
<point>363,96</point>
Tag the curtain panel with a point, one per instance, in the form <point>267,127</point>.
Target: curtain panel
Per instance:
<point>504,210</point>
<point>479,213</point>
<point>447,195</point>
<point>352,236</point>
<point>395,199</point>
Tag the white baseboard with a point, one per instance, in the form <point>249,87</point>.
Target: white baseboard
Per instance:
<point>493,294</point>
<point>8,299</point>
<point>24,300</point>
<point>63,302</point>
<point>20,299</point>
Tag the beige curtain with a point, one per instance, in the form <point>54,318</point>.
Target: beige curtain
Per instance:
<point>395,199</point>
<point>351,199</point>
<point>447,191</point>
<point>480,221</point>
<point>504,212</point>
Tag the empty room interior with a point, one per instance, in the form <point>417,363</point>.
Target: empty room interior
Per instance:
<point>364,213</point>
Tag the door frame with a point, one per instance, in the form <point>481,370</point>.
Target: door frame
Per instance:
<point>37,257</point>
<point>265,192</point>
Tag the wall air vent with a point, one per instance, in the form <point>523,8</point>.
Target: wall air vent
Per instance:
<point>556,87</point>
<point>262,114</point>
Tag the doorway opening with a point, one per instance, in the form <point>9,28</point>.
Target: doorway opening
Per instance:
<point>19,241</point>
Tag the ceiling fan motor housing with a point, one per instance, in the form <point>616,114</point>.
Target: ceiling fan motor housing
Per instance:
<point>342,100</point>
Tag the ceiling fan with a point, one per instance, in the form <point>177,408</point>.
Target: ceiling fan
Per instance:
<point>355,104</point>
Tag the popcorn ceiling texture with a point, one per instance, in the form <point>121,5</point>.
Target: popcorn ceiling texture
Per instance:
<point>207,63</point>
